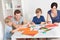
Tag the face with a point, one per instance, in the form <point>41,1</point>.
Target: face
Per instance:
<point>9,23</point>
<point>17,16</point>
<point>54,9</point>
<point>39,13</point>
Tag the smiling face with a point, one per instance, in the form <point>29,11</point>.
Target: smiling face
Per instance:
<point>38,12</point>
<point>54,6</point>
<point>17,16</point>
<point>9,23</point>
<point>54,9</point>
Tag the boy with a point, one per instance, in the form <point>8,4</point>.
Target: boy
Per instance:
<point>8,29</point>
<point>38,19</point>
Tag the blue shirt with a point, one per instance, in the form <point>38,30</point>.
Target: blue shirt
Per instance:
<point>55,19</point>
<point>7,33</point>
<point>38,20</point>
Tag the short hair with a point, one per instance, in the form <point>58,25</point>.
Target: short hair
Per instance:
<point>38,10</point>
<point>17,12</point>
<point>7,20</point>
<point>54,4</point>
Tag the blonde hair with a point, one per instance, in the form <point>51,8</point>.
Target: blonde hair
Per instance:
<point>7,20</point>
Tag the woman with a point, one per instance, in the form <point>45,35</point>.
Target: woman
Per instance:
<point>38,19</point>
<point>54,14</point>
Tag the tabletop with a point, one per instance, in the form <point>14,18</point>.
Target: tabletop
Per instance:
<point>53,33</point>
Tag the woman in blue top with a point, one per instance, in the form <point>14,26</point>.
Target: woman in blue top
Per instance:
<point>38,19</point>
<point>54,14</point>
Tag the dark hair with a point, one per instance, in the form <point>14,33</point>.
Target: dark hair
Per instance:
<point>54,4</point>
<point>17,12</point>
<point>38,9</point>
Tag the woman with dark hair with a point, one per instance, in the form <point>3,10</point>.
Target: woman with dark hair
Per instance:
<point>54,14</point>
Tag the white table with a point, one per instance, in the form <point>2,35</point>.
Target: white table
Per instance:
<point>54,33</point>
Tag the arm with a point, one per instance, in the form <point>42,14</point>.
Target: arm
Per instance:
<point>43,23</point>
<point>25,21</point>
<point>17,29</point>
<point>48,18</point>
<point>14,30</point>
<point>16,25</point>
<point>43,20</point>
<point>33,21</point>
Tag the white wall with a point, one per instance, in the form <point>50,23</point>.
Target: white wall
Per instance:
<point>1,31</point>
<point>29,7</point>
<point>25,7</point>
<point>1,21</point>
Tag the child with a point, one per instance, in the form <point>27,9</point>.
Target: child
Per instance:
<point>8,29</point>
<point>38,19</point>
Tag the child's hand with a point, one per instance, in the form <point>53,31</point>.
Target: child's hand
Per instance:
<point>33,23</point>
<point>14,30</point>
<point>11,32</point>
<point>42,23</point>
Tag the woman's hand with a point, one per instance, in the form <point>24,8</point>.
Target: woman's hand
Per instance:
<point>48,20</point>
